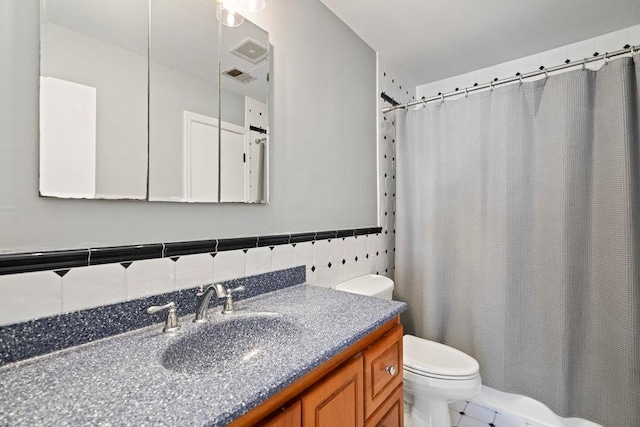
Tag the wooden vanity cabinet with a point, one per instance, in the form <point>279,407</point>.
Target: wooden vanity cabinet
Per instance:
<point>361,386</point>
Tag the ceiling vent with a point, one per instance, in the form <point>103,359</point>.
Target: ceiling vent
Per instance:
<point>239,75</point>
<point>250,50</point>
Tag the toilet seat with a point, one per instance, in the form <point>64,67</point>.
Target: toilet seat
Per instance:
<point>441,377</point>
<point>435,360</point>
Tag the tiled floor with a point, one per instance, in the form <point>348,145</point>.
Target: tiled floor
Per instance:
<point>469,414</point>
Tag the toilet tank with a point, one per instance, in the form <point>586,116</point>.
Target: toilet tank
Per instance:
<point>370,284</point>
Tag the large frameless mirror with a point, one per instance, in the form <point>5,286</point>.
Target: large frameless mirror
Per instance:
<point>153,99</point>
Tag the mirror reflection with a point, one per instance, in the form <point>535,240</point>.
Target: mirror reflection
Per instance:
<point>244,71</point>
<point>93,98</point>
<point>204,86</point>
<point>153,95</point>
<point>183,101</point>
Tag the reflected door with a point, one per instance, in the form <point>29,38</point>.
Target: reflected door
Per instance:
<point>232,166</point>
<point>201,155</point>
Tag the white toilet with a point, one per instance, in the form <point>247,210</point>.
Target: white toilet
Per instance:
<point>434,374</point>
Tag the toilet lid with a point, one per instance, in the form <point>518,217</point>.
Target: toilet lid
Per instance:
<point>370,284</point>
<point>438,360</point>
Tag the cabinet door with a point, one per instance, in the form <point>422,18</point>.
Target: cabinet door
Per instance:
<point>383,369</point>
<point>390,413</point>
<point>337,400</point>
<point>289,416</point>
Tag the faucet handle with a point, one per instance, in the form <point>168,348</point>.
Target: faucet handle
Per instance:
<point>229,305</point>
<point>201,290</point>
<point>239,289</point>
<point>223,292</point>
<point>171,324</point>
<point>156,308</point>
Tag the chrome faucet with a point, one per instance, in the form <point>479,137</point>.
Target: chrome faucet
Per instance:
<point>204,299</point>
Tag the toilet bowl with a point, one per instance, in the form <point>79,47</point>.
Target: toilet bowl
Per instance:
<point>434,374</point>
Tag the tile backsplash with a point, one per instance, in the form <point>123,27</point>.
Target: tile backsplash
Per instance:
<point>24,340</point>
<point>328,260</point>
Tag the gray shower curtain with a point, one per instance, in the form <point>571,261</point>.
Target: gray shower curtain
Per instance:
<point>518,236</point>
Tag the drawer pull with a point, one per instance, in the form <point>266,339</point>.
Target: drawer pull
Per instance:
<point>390,369</point>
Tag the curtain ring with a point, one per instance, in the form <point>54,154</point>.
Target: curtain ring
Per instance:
<point>584,64</point>
<point>466,92</point>
<point>442,97</point>
<point>606,60</point>
<point>491,85</point>
<point>546,74</point>
<point>520,77</point>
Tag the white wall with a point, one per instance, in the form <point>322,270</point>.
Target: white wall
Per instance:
<point>576,51</point>
<point>322,154</point>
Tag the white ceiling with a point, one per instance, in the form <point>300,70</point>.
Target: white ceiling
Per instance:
<point>434,39</point>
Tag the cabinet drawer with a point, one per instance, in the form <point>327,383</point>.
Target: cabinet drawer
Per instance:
<point>383,369</point>
<point>390,413</point>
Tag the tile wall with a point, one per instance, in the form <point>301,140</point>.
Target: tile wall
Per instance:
<point>395,84</point>
<point>33,295</point>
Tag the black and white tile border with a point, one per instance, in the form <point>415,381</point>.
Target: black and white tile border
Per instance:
<point>66,259</point>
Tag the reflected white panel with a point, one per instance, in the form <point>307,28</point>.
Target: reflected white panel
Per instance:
<point>201,153</point>
<point>67,139</point>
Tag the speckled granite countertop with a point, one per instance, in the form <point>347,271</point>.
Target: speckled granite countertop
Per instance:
<point>138,379</point>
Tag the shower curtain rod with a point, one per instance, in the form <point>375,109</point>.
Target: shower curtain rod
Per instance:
<point>543,70</point>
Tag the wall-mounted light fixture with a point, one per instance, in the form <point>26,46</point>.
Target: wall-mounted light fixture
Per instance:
<point>228,10</point>
<point>228,15</point>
